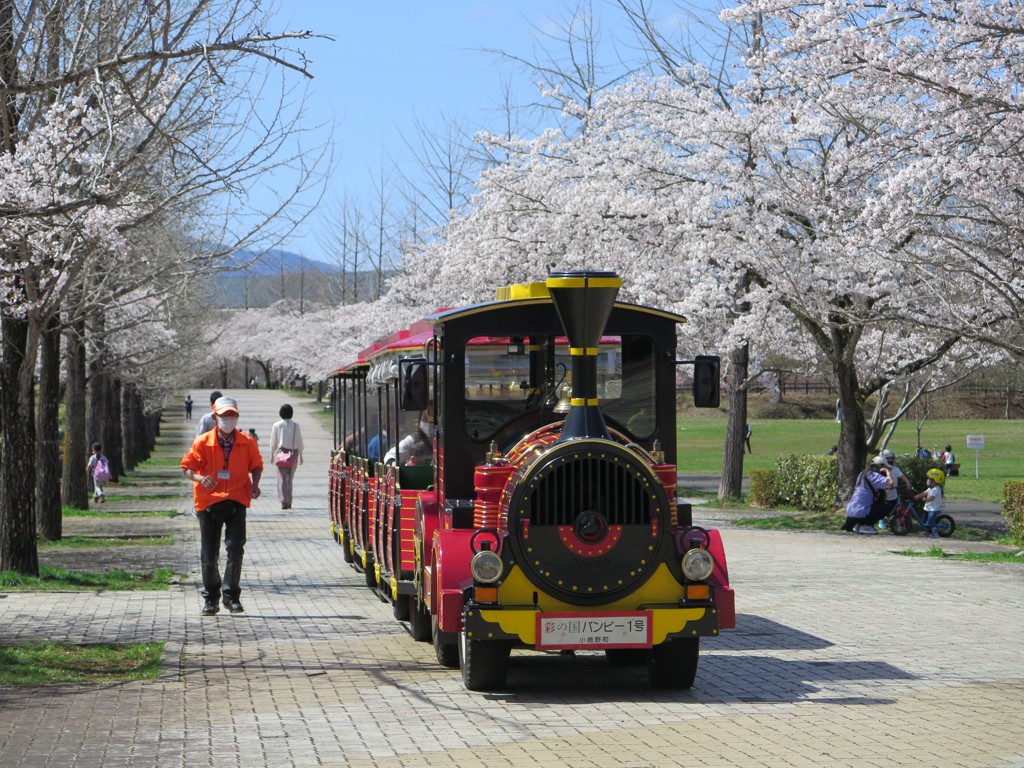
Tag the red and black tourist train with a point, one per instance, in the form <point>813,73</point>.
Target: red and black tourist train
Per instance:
<point>505,477</point>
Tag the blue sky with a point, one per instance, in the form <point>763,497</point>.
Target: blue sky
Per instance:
<point>396,62</point>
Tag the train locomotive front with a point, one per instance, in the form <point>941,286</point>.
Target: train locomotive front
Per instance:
<point>552,521</point>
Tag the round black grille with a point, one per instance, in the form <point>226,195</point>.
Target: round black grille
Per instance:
<point>588,520</point>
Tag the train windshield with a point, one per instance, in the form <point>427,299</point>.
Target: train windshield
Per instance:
<point>508,377</point>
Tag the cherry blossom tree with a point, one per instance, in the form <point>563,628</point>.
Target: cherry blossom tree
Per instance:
<point>113,115</point>
<point>770,201</point>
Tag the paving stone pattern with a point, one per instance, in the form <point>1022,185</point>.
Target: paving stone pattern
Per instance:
<point>846,654</point>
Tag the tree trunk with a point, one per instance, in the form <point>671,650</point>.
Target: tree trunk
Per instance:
<point>731,483</point>
<point>104,411</point>
<point>135,428</point>
<point>111,429</point>
<point>17,459</point>
<point>48,512</point>
<point>853,454</point>
<point>75,482</point>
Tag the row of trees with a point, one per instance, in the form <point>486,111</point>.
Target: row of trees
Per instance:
<point>131,136</point>
<point>843,187</point>
<point>835,183</point>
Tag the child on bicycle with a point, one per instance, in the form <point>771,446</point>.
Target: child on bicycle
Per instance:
<point>932,496</point>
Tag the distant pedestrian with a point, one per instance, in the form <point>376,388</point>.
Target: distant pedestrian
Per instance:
<point>225,467</point>
<point>839,411</point>
<point>253,435</point>
<point>746,439</point>
<point>948,459</point>
<point>98,468</point>
<point>286,453</point>
<point>188,407</point>
<point>832,451</point>
<point>208,420</point>
<point>867,502</point>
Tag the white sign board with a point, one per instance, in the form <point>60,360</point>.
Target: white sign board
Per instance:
<point>977,442</point>
<point>630,629</point>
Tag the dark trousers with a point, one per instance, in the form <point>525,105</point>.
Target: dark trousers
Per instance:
<point>229,515</point>
<point>878,511</point>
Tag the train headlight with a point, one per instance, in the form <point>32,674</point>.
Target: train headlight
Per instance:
<point>486,566</point>
<point>698,564</point>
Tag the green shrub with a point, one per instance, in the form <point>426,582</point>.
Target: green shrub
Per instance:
<point>915,468</point>
<point>808,481</point>
<point>763,489</point>
<point>1013,508</point>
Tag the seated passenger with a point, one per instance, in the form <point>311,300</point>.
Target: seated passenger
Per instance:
<point>373,449</point>
<point>417,448</point>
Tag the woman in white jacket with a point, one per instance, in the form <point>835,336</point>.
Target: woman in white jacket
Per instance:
<point>285,438</point>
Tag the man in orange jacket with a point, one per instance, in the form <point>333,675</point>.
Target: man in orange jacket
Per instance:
<point>220,464</point>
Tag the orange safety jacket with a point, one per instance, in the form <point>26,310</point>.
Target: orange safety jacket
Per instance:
<point>207,458</point>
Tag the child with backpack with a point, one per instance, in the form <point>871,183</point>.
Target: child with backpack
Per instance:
<point>99,470</point>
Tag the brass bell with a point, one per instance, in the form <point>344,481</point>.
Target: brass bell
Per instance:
<point>564,399</point>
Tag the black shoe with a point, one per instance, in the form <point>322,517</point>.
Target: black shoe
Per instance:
<point>210,608</point>
<point>233,605</point>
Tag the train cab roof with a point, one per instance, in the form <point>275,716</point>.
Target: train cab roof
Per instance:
<point>521,300</point>
<point>528,295</point>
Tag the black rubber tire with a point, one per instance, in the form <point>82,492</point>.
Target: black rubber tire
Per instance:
<point>446,645</point>
<point>400,608</point>
<point>674,664</point>
<point>484,663</point>
<point>419,621</point>
<point>626,657</point>
<point>900,527</point>
<point>946,525</point>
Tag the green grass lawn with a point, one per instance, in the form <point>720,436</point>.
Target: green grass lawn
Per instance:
<point>61,578</point>
<point>701,443</point>
<point>69,512</point>
<point>86,542</point>
<point>977,557</point>
<point>47,663</point>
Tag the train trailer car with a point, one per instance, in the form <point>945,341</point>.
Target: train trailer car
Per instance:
<point>531,500</point>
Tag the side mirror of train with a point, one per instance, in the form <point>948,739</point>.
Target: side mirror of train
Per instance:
<point>415,385</point>
<point>706,387</point>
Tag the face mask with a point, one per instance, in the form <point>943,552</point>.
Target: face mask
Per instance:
<point>427,428</point>
<point>227,423</point>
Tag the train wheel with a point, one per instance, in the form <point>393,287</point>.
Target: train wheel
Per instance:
<point>484,663</point>
<point>626,657</point>
<point>674,664</point>
<point>400,609</point>
<point>446,645</point>
<point>419,620</point>
<point>900,526</point>
<point>946,525</point>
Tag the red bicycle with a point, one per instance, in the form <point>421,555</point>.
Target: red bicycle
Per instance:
<point>906,514</point>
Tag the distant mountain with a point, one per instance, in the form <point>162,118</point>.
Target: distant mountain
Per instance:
<point>274,262</point>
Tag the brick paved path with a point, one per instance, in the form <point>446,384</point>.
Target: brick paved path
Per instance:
<point>845,655</point>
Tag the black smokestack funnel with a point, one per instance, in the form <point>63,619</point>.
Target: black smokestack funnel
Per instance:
<point>584,300</point>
